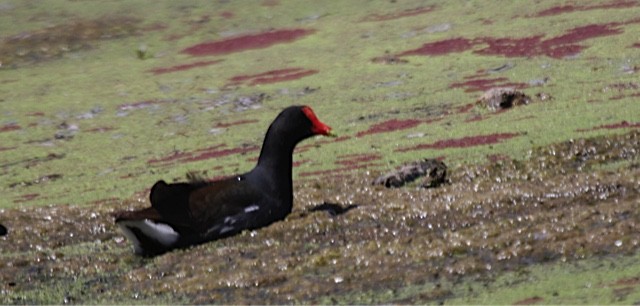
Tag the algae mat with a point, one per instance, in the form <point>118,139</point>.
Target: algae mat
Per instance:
<point>100,100</point>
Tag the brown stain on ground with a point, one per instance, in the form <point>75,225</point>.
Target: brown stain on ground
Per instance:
<point>558,47</point>
<point>492,217</point>
<point>272,76</point>
<point>464,142</point>
<point>390,126</point>
<point>247,42</point>
<point>183,67</point>
<point>202,154</point>
<point>569,8</point>
<point>480,84</point>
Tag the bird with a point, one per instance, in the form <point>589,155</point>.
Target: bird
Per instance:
<point>190,213</point>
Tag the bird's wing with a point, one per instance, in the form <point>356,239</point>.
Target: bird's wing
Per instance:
<point>227,207</point>
<point>172,201</point>
<point>199,206</point>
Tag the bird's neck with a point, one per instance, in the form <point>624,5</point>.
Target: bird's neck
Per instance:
<point>275,164</point>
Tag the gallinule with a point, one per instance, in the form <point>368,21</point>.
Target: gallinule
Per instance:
<point>185,214</point>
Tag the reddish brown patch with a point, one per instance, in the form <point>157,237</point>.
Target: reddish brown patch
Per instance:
<point>636,45</point>
<point>529,301</point>
<point>184,67</point>
<point>227,15</point>
<point>341,138</point>
<point>475,118</point>
<point>6,148</point>
<point>582,33</point>
<point>557,10</point>
<point>390,126</point>
<point>9,127</point>
<point>620,125</point>
<point>486,84</point>
<point>556,47</point>
<point>396,15</point>
<point>510,47</point>
<point>339,170</point>
<point>101,129</point>
<point>273,76</point>
<point>26,197</point>
<point>562,9</point>
<point>441,47</point>
<point>247,42</point>
<point>202,154</point>
<point>356,159</point>
<point>464,142</point>
<point>35,114</point>
<point>631,281</point>
<point>239,122</point>
<point>300,162</point>
<point>464,108</point>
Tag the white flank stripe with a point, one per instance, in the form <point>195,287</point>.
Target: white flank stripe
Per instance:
<point>226,229</point>
<point>160,232</point>
<point>251,208</point>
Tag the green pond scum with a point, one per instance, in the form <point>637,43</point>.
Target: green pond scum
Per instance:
<point>100,100</point>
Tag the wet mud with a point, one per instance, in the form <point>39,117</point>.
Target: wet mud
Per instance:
<point>568,201</point>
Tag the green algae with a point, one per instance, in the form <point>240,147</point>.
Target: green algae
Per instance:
<point>564,283</point>
<point>196,99</point>
<point>96,115</point>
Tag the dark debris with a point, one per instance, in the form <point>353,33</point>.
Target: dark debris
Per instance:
<point>434,170</point>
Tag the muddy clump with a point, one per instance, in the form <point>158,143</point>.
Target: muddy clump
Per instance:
<point>333,209</point>
<point>503,98</point>
<point>434,171</point>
